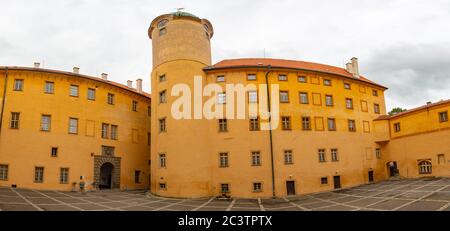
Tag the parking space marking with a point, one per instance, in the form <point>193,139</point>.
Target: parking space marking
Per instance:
<point>231,205</point>
<point>204,204</point>
<point>28,201</point>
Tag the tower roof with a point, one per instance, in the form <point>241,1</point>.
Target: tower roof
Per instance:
<point>181,13</point>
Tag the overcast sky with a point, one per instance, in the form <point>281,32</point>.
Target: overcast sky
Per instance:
<point>402,44</point>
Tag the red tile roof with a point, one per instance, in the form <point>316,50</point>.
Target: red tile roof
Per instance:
<point>286,64</point>
<point>387,117</point>
<point>145,94</point>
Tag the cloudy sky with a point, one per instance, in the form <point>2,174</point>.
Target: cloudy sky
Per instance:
<point>402,44</point>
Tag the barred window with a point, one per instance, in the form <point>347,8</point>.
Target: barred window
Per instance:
<point>425,167</point>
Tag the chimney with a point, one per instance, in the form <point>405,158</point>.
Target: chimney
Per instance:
<point>349,67</point>
<point>130,83</point>
<point>104,76</point>
<point>76,70</point>
<point>139,85</point>
<point>355,67</point>
<point>37,65</point>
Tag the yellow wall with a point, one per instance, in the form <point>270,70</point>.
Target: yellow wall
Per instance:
<point>24,148</point>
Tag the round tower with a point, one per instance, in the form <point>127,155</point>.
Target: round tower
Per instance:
<point>180,158</point>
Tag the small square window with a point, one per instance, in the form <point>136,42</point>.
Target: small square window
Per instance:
<point>257,187</point>
<point>282,78</point>
<point>251,77</point>
<point>347,86</point>
<point>374,92</point>
<point>327,82</point>
<point>301,79</point>
<point>74,90</point>
<point>162,186</point>
<point>220,78</point>
<point>324,180</point>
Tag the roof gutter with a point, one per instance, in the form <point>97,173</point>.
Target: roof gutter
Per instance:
<point>4,99</point>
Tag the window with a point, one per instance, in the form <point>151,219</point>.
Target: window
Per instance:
<point>303,98</point>
<point>334,155</point>
<point>256,159</point>
<point>322,155</point>
<point>162,78</point>
<point>3,172</point>
<point>108,150</point>
<point>223,160</point>
<point>137,175</point>
<point>441,158</point>
<point>329,100</point>
<point>288,157</point>
<point>347,86</point>
<point>49,87</point>
<point>251,77</point>
<point>220,78</point>
<point>376,108</point>
<point>351,126</point>
<point>324,180</point>
<point>114,132</point>
<point>378,153</point>
<point>54,152</point>
<point>105,130</point>
<point>162,31</point>
<point>306,123</point>
<point>162,160</point>
<point>286,123</point>
<point>162,125</point>
<point>111,98</point>
<point>284,97</point>
<point>18,84</point>
<point>349,103</point>
<point>73,90</point>
<point>223,125</point>
<point>73,125</point>
<point>162,186</point>
<point>14,123</point>
<point>135,105</point>
<point>64,176</point>
<point>331,124</point>
<point>253,97</point>
<point>257,187</point>
<point>221,98</point>
<point>397,127</point>
<point>301,79</point>
<point>45,122</point>
<point>254,124</point>
<point>224,188</point>
<point>282,78</point>
<point>327,82</point>
<point>149,111</point>
<point>149,138</point>
<point>425,167</point>
<point>162,23</point>
<point>374,92</point>
<point>91,94</point>
<point>38,174</point>
<point>443,116</point>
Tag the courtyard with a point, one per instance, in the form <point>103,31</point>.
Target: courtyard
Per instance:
<point>426,194</point>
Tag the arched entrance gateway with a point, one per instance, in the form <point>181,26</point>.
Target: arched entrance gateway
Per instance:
<point>106,172</point>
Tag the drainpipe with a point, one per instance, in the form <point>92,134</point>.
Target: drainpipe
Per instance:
<point>4,99</point>
<point>270,130</point>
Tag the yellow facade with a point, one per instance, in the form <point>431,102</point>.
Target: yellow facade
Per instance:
<point>26,144</point>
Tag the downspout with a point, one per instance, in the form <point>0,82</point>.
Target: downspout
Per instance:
<point>270,130</point>
<point>4,99</point>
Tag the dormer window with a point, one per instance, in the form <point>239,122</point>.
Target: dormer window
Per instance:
<point>162,23</point>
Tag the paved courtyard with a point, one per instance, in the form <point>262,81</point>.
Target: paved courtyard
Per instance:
<point>415,195</point>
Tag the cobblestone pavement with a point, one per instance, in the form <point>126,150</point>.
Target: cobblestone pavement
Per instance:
<point>413,195</point>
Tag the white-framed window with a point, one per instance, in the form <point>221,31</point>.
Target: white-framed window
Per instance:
<point>223,125</point>
<point>15,119</point>
<point>38,174</point>
<point>284,97</point>
<point>162,160</point>
<point>282,78</point>
<point>256,158</point>
<point>49,87</point>
<point>220,78</point>
<point>331,124</point>
<point>288,159</point>
<point>4,172</point>
<point>329,100</point>
<point>301,79</point>
<point>321,154</point>
<point>18,84</point>
<point>46,122</point>
<point>114,132</point>
<point>257,187</point>
<point>221,98</point>
<point>253,97</point>
<point>327,82</point>
<point>334,155</point>
<point>425,167</point>
<point>91,94</point>
<point>73,90</point>
<point>64,175</point>
<point>303,97</point>
<point>223,160</point>
<point>73,125</point>
<point>251,77</point>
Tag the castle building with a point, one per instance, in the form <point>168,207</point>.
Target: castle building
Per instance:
<point>331,130</point>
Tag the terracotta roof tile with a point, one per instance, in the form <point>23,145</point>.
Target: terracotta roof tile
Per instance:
<point>387,117</point>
